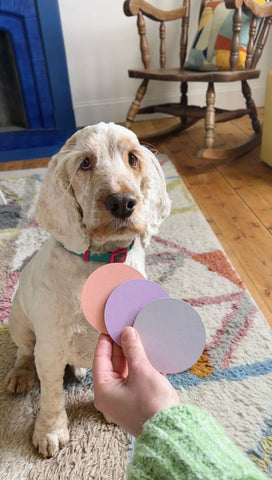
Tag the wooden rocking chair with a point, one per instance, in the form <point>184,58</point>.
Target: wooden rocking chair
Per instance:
<point>189,114</point>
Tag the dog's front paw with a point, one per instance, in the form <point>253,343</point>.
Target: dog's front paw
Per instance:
<point>20,380</point>
<point>49,441</point>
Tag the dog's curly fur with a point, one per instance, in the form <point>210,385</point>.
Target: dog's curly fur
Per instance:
<point>46,321</point>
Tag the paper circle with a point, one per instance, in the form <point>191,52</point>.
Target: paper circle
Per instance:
<point>126,301</point>
<point>172,334</point>
<point>99,286</point>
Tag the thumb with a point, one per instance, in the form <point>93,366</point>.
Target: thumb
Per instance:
<point>134,351</point>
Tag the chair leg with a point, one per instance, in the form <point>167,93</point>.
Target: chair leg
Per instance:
<point>251,106</point>
<point>210,116</point>
<point>231,153</point>
<point>183,100</point>
<point>134,108</point>
<point>238,150</point>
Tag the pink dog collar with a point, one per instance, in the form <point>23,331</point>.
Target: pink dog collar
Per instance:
<point>118,256</point>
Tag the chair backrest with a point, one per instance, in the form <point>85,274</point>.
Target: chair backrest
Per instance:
<point>257,41</point>
<point>142,9</point>
<point>261,19</point>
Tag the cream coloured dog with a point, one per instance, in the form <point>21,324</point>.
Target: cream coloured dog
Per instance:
<point>103,192</point>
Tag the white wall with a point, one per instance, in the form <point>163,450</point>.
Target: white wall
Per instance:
<point>102,43</point>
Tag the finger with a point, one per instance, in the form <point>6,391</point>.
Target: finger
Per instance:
<point>102,363</point>
<point>134,351</point>
<point>119,361</point>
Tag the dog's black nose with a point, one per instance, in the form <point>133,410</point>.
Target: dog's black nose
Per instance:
<point>121,205</point>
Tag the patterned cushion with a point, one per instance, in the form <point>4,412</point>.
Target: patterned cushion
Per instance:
<point>211,46</point>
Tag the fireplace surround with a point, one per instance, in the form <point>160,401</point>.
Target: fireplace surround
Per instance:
<point>36,114</point>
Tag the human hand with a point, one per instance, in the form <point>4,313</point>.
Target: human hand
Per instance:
<point>126,386</point>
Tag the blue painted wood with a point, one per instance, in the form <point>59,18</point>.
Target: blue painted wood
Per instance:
<point>35,31</point>
<point>29,144</point>
<point>28,153</point>
<point>56,62</point>
<point>28,138</point>
<point>15,28</point>
<point>20,21</point>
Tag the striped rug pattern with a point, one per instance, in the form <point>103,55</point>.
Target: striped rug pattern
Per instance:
<point>232,379</point>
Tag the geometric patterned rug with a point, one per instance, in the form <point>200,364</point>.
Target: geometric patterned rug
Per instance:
<point>232,379</point>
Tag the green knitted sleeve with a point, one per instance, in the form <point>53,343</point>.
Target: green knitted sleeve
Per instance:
<point>185,442</point>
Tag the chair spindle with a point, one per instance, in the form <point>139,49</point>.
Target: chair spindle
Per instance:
<point>184,39</point>
<point>162,45</point>
<point>235,43</point>
<point>261,41</point>
<point>250,46</point>
<point>143,40</point>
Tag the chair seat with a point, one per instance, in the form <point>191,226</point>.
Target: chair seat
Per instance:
<point>180,75</point>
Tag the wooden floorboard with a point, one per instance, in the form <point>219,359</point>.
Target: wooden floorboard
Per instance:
<point>235,197</point>
<point>24,164</point>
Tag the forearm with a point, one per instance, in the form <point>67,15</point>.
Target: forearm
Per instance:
<point>185,442</point>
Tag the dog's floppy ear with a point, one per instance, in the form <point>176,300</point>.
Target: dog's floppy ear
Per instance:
<point>158,201</point>
<point>57,209</point>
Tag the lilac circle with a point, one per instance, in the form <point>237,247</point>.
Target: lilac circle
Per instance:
<point>126,301</point>
<point>172,333</point>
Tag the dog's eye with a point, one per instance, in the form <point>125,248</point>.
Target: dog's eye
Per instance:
<point>86,164</point>
<point>132,160</point>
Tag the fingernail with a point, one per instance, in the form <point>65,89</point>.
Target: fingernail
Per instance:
<point>129,334</point>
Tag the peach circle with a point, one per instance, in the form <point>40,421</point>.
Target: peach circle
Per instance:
<point>97,288</point>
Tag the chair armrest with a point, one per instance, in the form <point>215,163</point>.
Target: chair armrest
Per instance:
<point>132,7</point>
<point>260,11</point>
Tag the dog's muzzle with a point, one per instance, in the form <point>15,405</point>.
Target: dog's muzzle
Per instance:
<point>121,205</point>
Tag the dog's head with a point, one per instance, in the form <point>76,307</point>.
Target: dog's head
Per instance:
<point>102,190</point>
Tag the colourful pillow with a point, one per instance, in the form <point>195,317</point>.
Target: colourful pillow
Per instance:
<point>211,46</point>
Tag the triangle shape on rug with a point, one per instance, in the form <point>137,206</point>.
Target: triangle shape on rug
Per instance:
<point>217,262</point>
<point>200,285</point>
<point>180,203</point>
<point>203,367</point>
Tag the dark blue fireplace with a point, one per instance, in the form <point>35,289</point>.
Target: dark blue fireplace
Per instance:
<point>36,114</point>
